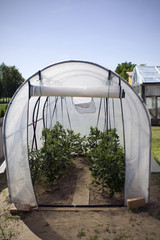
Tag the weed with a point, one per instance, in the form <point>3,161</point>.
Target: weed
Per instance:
<point>2,232</point>
<point>107,229</point>
<point>148,238</point>
<point>131,219</point>
<point>95,237</point>
<point>6,233</point>
<point>4,193</point>
<point>10,232</point>
<point>6,215</point>
<point>81,234</point>
<point>16,217</point>
<point>122,236</point>
<point>96,231</point>
<point>46,224</point>
<point>155,143</point>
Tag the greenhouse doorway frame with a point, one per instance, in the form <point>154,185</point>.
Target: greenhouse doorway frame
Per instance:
<point>107,127</point>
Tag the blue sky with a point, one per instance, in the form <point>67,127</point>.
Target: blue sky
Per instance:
<point>37,33</point>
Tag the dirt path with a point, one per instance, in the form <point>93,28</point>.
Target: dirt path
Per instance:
<point>81,194</point>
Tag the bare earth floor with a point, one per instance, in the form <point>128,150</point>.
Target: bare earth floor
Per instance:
<point>81,223</point>
<point>76,189</point>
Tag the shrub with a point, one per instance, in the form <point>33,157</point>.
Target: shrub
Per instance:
<point>106,160</point>
<point>53,160</point>
<point>60,146</point>
<point>56,153</point>
<point>77,143</point>
<point>36,162</point>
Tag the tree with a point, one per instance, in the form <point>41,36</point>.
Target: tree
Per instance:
<point>10,80</point>
<point>122,68</point>
<point>1,88</point>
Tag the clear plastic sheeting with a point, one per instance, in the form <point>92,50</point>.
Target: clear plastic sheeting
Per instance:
<point>154,166</point>
<point>16,149</point>
<point>145,74</point>
<point>26,116</point>
<point>146,82</point>
<point>3,167</point>
<point>137,137</point>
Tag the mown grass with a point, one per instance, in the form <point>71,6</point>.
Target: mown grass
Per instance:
<point>3,105</point>
<point>156,143</point>
<point>3,108</point>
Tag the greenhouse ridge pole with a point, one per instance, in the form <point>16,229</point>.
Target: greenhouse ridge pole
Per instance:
<point>100,92</point>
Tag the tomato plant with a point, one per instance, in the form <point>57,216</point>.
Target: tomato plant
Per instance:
<point>107,160</point>
<point>35,162</point>
<point>60,146</point>
<point>57,153</point>
<point>77,143</point>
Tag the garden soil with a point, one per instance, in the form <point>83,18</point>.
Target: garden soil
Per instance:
<point>80,223</point>
<point>77,185</point>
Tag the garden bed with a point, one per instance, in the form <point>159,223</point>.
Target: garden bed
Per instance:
<point>64,193</point>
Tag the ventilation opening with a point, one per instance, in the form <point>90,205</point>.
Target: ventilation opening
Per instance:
<point>84,105</point>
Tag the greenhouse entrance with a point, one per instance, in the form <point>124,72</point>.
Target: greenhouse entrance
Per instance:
<point>65,169</point>
<point>77,190</point>
<point>69,110</point>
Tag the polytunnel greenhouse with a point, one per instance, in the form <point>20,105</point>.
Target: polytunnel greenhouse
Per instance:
<point>146,82</point>
<point>79,95</point>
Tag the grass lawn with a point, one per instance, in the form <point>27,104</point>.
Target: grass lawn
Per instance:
<point>3,107</point>
<point>156,143</point>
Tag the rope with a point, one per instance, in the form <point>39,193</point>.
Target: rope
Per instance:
<point>44,107</point>
<point>109,115</point>
<point>105,115</point>
<point>56,99</point>
<point>99,112</point>
<point>62,108</point>
<point>123,125</point>
<point>68,114</point>
<point>113,113</point>
<point>34,140</point>
<point>107,103</point>
<point>40,79</point>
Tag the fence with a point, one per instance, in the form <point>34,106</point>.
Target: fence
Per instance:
<point>1,142</point>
